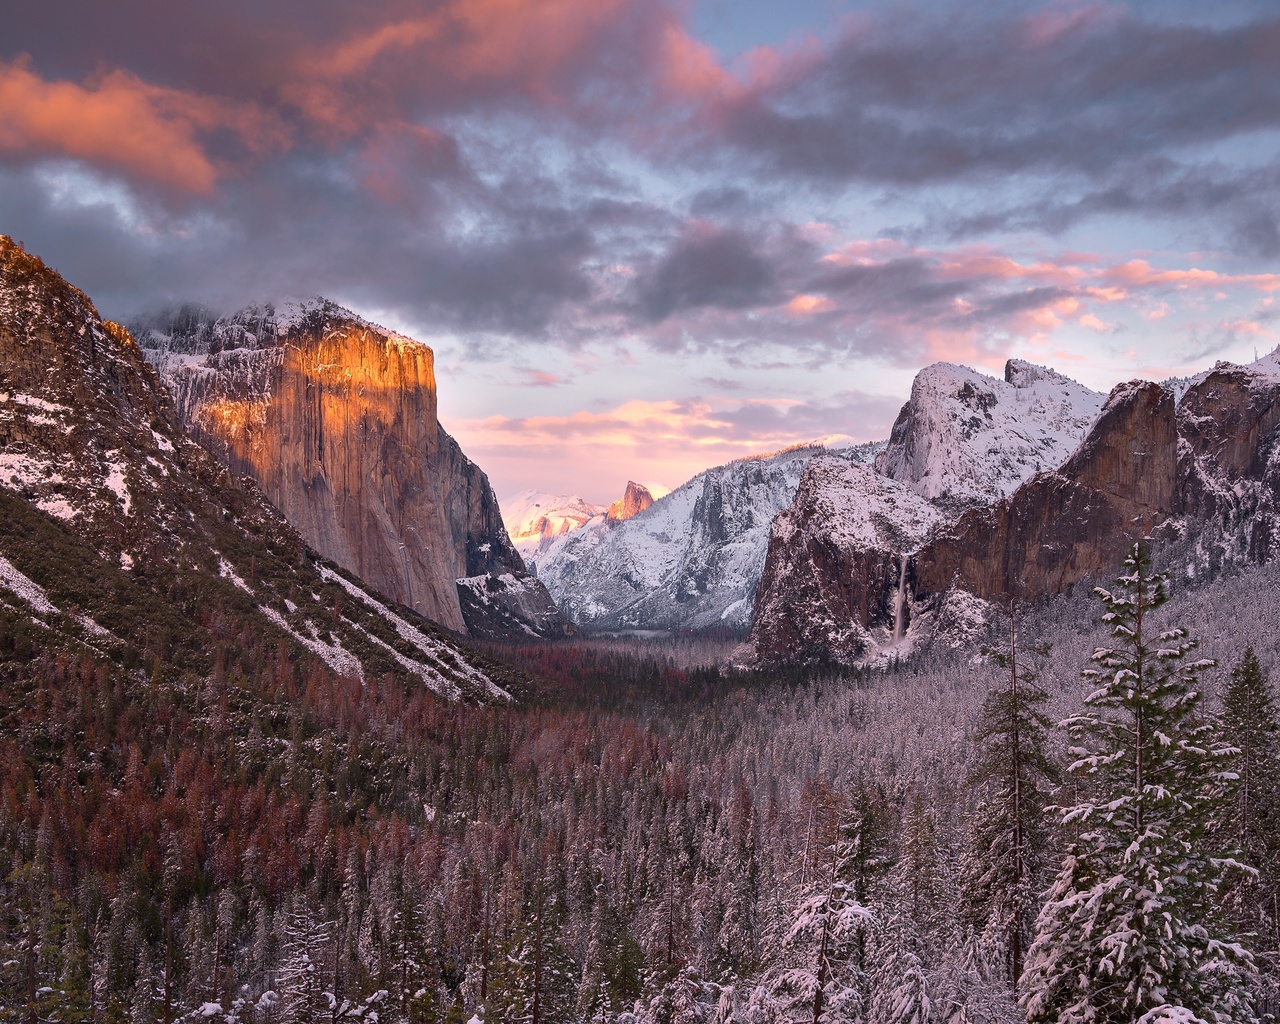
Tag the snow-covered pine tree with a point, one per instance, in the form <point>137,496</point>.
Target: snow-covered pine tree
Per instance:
<point>816,975</point>
<point>899,987</point>
<point>1131,930</point>
<point>1247,816</point>
<point>1001,871</point>
<point>307,938</point>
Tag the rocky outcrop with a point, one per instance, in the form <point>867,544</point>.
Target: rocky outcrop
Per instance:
<point>836,574</point>
<point>335,419</point>
<point>1070,523</point>
<point>965,439</point>
<point>635,499</point>
<point>512,607</point>
<point>1229,470</point>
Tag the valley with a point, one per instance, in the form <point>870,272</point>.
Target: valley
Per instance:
<point>297,723</point>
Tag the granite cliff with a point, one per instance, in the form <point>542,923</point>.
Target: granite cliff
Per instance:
<point>334,418</point>
<point>851,574</point>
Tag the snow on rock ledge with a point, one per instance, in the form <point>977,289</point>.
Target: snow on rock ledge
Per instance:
<point>965,438</point>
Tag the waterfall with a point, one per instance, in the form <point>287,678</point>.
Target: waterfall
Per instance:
<point>900,601</point>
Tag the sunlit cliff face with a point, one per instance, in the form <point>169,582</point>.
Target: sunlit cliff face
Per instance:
<point>331,395</point>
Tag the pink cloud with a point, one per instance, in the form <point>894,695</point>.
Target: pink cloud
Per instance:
<point>1140,274</point>
<point>809,305</point>
<point>667,440</point>
<point>118,122</point>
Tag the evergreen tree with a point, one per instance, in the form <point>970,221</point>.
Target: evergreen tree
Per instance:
<point>900,989</point>
<point>1007,836</point>
<point>1247,819</point>
<point>817,974</point>
<point>1131,930</point>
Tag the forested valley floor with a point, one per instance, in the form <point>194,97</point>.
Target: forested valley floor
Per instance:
<point>643,836</point>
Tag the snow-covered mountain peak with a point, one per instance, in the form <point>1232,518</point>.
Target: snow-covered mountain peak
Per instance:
<point>966,438</point>
<point>195,331</point>
<point>535,518</point>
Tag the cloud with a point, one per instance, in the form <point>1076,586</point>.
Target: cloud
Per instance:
<point>902,99</point>
<point>667,440</point>
<point>118,121</point>
<point>707,266</point>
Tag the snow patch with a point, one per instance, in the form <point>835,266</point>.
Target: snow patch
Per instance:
<point>227,571</point>
<point>35,596</point>
<point>58,507</point>
<point>115,482</point>
<point>24,469</point>
<point>25,588</point>
<point>414,636</point>
<point>334,654</point>
<point>446,688</point>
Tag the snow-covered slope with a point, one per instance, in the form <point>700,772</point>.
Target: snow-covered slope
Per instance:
<point>836,570</point>
<point>534,519</point>
<point>121,536</point>
<point>965,438</point>
<point>692,559</point>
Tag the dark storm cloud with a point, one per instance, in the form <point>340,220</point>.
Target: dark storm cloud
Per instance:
<point>902,101</point>
<point>900,286</point>
<point>707,267</point>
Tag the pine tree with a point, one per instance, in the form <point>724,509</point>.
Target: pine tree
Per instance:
<point>1131,929</point>
<point>899,989</point>
<point>1252,801</point>
<point>817,974</point>
<point>1007,836</point>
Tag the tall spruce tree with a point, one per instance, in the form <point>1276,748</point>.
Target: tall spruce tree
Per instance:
<point>1132,930</point>
<point>817,974</point>
<point>1000,876</point>
<point>1247,817</point>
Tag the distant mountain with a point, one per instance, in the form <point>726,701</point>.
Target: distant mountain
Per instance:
<point>635,499</point>
<point>335,419</point>
<point>534,519</point>
<point>124,541</point>
<point>692,559</point>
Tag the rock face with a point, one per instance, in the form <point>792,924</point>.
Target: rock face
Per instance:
<point>965,439</point>
<point>689,561</point>
<point>1201,477</point>
<point>635,499</point>
<point>335,419</point>
<point>1072,522</point>
<point>120,533</point>
<point>510,606</point>
<point>1229,464</point>
<point>835,550</point>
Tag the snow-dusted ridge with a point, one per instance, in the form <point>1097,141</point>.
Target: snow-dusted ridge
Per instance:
<point>535,519</point>
<point>692,559</point>
<point>966,438</point>
<point>436,653</point>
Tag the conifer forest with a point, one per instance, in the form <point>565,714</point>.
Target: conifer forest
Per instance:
<point>1077,824</point>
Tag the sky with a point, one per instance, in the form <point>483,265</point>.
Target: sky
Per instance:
<point>643,237</point>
